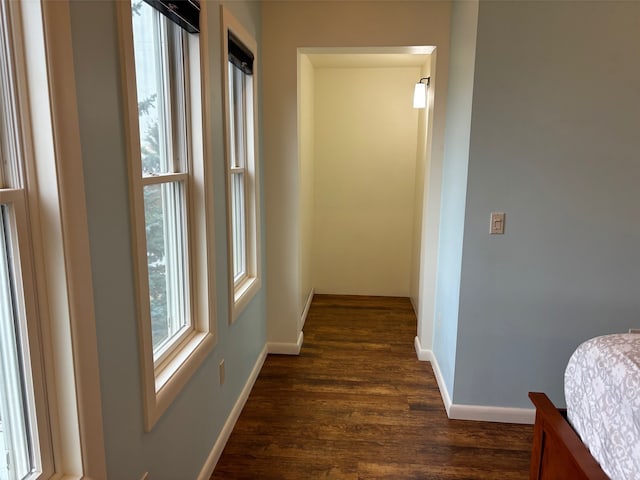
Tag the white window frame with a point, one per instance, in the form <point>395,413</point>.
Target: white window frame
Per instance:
<point>54,209</point>
<point>163,380</point>
<point>242,290</point>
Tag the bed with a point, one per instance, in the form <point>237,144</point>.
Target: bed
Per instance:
<point>598,436</point>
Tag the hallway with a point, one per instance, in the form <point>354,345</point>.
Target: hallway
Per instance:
<point>357,404</point>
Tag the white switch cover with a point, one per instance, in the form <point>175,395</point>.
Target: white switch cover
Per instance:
<point>497,223</point>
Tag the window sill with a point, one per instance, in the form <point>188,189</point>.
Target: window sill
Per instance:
<point>243,294</point>
<point>174,373</point>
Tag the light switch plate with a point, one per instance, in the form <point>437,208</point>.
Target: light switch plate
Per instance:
<point>496,227</point>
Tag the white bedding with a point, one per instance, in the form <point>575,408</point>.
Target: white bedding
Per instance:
<point>602,389</point>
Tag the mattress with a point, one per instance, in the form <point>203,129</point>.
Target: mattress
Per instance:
<point>602,390</point>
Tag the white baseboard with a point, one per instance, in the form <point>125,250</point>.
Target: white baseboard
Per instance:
<point>414,304</point>
<point>442,386</point>
<point>492,414</point>
<point>281,348</point>
<point>307,306</point>
<point>424,354</point>
<point>480,413</point>
<point>218,447</point>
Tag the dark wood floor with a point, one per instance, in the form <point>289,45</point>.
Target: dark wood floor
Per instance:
<point>357,404</point>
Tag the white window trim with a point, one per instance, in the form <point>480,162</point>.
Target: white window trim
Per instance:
<point>57,212</point>
<point>162,383</point>
<point>241,294</point>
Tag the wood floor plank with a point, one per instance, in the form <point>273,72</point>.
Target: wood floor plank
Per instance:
<point>356,404</point>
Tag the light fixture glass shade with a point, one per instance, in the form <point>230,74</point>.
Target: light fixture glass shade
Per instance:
<point>420,95</point>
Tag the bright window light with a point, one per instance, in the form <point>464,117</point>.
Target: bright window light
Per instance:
<point>16,411</point>
<point>238,144</point>
<point>160,63</point>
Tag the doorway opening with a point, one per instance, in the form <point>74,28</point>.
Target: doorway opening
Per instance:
<point>363,162</point>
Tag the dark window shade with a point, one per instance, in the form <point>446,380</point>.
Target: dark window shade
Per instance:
<point>185,13</point>
<point>240,55</point>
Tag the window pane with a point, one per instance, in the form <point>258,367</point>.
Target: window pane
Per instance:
<point>14,418</point>
<point>237,160</point>
<point>232,118</point>
<point>165,225</point>
<point>160,80</point>
<point>238,226</point>
<point>238,116</point>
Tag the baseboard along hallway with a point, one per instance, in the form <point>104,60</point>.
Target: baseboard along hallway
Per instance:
<point>357,404</point>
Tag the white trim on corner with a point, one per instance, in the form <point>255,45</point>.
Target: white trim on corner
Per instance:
<point>281,348</point>
<point>218,446</point>
<point>424,355</point>
<point>492,414</point>
<point>442,386</point>
<point>60,230</point>
<point>307,306</point>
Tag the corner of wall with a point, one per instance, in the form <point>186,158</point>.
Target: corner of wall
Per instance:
<point>464,23</point>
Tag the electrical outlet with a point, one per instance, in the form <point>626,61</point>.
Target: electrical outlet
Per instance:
<point>221,371</point>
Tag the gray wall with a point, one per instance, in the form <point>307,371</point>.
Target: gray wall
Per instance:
<point>554,144</point>
<point>179,444</point>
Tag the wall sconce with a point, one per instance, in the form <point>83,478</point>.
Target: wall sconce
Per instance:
<point>420,93</point>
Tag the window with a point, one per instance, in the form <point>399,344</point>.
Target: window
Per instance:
<point>24,424</point>
<point>167,175</point>
<point>239,83</point>
<point>159,47</point>
<point>242,186</point>
<point>48,352</point>
<point>18,414</point>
